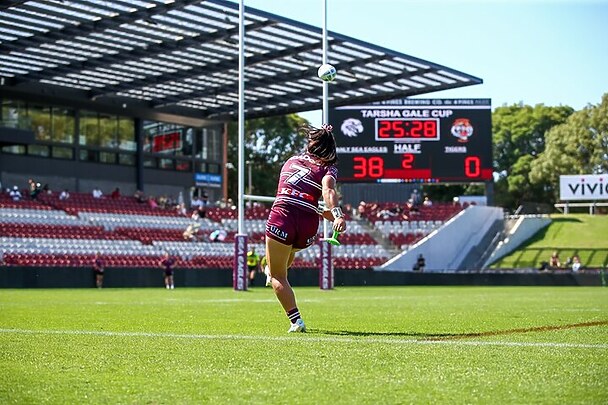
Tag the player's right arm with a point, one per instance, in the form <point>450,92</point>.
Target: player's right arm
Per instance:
<point>330,197</point>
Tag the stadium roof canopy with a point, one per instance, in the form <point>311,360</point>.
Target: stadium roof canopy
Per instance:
<point>181,57</point>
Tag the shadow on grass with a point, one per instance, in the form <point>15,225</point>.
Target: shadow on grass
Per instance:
<point>556,223</point>
<point>464,335</point>
<point>417,335</point>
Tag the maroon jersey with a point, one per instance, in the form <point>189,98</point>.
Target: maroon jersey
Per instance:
<point>300,182</point>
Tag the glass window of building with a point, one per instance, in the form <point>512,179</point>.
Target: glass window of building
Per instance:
<point>126,159</point>
<point>40,117</point>
<point>183,165</point>
<point>38,150</point>
<point>107,157</point>
<point>14,115</point>
<point>62,152</point>
<point>167,164</point>
<point>187,142</point>
<point>89,155</point>
<point>209,143</point>
<point>89,129</point>
<point>214,168</point>
<point>108,131</point>
<point>126,134</point>
<point>14,149</point>
<point>63,125</point>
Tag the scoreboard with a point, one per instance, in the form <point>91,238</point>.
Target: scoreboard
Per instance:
<point>414,140</point>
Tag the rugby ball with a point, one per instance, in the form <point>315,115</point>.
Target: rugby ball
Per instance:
<point>326,72</point>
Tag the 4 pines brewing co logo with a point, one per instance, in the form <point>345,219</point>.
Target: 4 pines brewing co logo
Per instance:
<point>462,129</point>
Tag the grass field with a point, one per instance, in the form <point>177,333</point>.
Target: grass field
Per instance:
<point>581,234</point>
<point>365,345</point>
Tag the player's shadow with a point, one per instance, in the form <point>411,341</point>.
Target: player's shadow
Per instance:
<point>462,335</point>
<point>416,335</point>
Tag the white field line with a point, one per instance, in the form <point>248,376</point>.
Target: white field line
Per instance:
<point>302,338</point>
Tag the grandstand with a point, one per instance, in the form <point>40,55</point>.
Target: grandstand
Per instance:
<point>53,232</point>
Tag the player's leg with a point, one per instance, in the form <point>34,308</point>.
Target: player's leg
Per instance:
<point>278,256</point>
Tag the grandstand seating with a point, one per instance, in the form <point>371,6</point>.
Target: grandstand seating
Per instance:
<point>50,232</point>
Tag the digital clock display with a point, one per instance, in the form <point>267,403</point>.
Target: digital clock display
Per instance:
<point>399,129</point>
<point>414,140</point>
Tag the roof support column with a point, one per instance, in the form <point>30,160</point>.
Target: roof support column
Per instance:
<point>139,154</point>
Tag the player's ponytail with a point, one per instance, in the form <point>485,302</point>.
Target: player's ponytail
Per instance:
<point>321,143</point>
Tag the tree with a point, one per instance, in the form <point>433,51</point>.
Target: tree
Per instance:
<point>268,143</point>
<point>518,138</point>
<point>579,146</point>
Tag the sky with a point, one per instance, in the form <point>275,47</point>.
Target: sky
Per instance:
<point>552,52</point>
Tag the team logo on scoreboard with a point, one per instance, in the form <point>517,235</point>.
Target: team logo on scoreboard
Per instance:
<point>351,127</point>
<point>462,129</point>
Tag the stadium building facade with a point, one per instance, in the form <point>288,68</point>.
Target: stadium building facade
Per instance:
<point>76,147</point>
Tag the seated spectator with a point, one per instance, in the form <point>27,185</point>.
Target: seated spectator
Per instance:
<point>219,235</point>
<point>195,216</point>
<point>195,203</point>
<point>181,210</point>
<point>361,210</point>
<point>47,190</point>
<point>15,194</point>
<point>554,260</point>
<point>427,202</point>
<point>163,201</point>
<point>115,194</point>
<point>420,263</point>
<point>64,195</point>
<point>97,193</point>
<point>152,202</point>
<point>576,263</point>
<point>385,214</point>
<point>139,196</point>
<point>34,189</point>
<point>192,232</point>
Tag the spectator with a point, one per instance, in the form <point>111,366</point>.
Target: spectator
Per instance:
<point>192,232</point>
<point>554,260</point>
<point>361,210</point>
<point>115,194</point>
<point>97,193</point>
<point>34,189</point>
<point>427,202</point>
<point>47,190</point>
<point>416,198</point>
<point>576,263</point>
<point>162,201</point>
<point>152,202</point>
<point>195,216</point>
<point>15,194</point>
<point>203,205</point>
<point>181,210</point>
<point>98,269</point>
<point>196,202</point>
<point>139,196</point>
<point>420,263</point>
<point>64,195</point>
<point>167,263</point>
<point>219,235</point>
